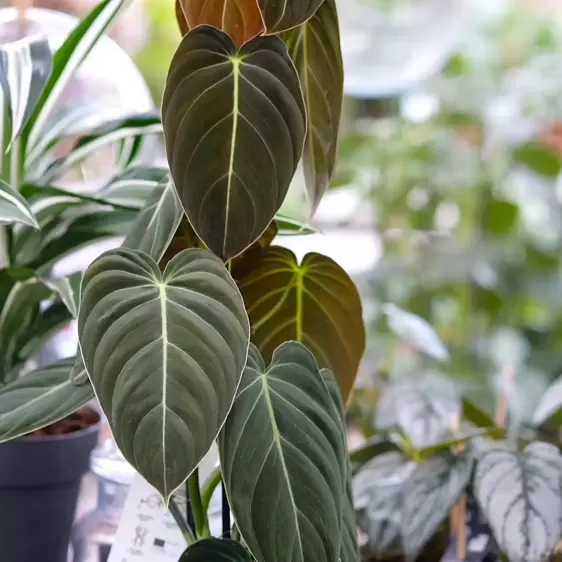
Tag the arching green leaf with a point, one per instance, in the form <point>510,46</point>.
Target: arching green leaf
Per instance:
<point>165,353</point>
<point>519,493</point>
<point>318,58</point>
<point>40,398</point>
<point>422,407</point>
<point>285,482</point>
<point>216,550</point>
<point>155,226</point>
<point>234,123</point>
<point>282,15</point>
<point>25,66</point>
<point>314,302</point>
<point>14,208</point>
<point>241,19</point>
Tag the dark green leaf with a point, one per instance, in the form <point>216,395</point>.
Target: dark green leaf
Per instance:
<point>25,66</point>
<point>216,550</point>
<point>374,447</point>
<point>538,158</point>
<point>475,415</point>
<point>165,353</point>
<point>234,124</point>
<point>155,226</point>
<point>285,482</point>
<point>40,398</point>
<point>500,218</point>
<point>317,56</point>
<point>314,302</point>
<point>519,494</point>
<point>282,15</point>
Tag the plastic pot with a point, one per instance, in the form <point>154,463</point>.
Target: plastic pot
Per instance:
<point>40,481</point>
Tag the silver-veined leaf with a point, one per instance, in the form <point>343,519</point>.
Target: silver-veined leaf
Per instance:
<point>67,59</point>
<point>216,550</point>
<point>283,459</point>
<point>422,407</point>
<point>519,494</point>
<point>550,405</point>
<point>282,15</point>
<point>165,353</point>
<point>415,331</point>
<point>234,123</point>
<point>430,493</point>
<point>25,66</point>
<point>318,58</point>
<point>14,208</point>
<point>155,226</point>
<point>378,497</point>
<point>40,398</point>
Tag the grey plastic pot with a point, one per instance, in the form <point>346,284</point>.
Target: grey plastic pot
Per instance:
<point>39,484</point>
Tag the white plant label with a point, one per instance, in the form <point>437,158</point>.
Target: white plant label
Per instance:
<point>147,530</point>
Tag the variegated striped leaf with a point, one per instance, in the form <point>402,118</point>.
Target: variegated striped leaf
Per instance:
<point>520,495</point>
<point>550,405</point>
<point>25,66</point>
<point>165,353</point>
<point>14,208</point>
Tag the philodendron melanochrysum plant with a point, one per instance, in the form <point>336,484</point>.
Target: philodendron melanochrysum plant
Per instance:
<point>211,332</point>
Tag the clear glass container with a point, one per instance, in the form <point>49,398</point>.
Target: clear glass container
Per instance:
<point>94,534</point>
<point>391,45</point>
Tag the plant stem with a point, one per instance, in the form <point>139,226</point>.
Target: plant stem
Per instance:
<point>182,524</point>
<point>207,493</point>
<point>201,522</point>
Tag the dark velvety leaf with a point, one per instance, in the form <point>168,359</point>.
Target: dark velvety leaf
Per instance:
<point>422,407</point>
<point>216,550</point>
<point>314,302</point>
<point>285,482</point>
<point>282,15</point>
<point>519,493</point>
<point>234,123</point>
<point>165,353</point>
<point>317,56</point>
<point>40,398</point>
<point>241,19</point>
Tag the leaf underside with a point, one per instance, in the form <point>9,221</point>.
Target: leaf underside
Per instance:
<point>234,124</point>
<point>165,353</point>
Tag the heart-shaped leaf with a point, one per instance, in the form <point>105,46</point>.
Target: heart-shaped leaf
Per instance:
<point>14,208</point>
<point>282,15</point>
<point>215,550</point>
<point>153,229</point>
<point>519,494</point>
<point>165,353</point>
<point>550,405</point>
<point>422,407</point>
<point>318,58</point>
<point>430,493</point>
<point>285,482</point>
<point>314,302</point>
<point>234,123</point>
<point>40,398</point>
<point>241,19</point>
<point>349,550</point>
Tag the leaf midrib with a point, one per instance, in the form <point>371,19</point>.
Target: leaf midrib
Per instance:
<point>277,441</point>
<point>164,317</point>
